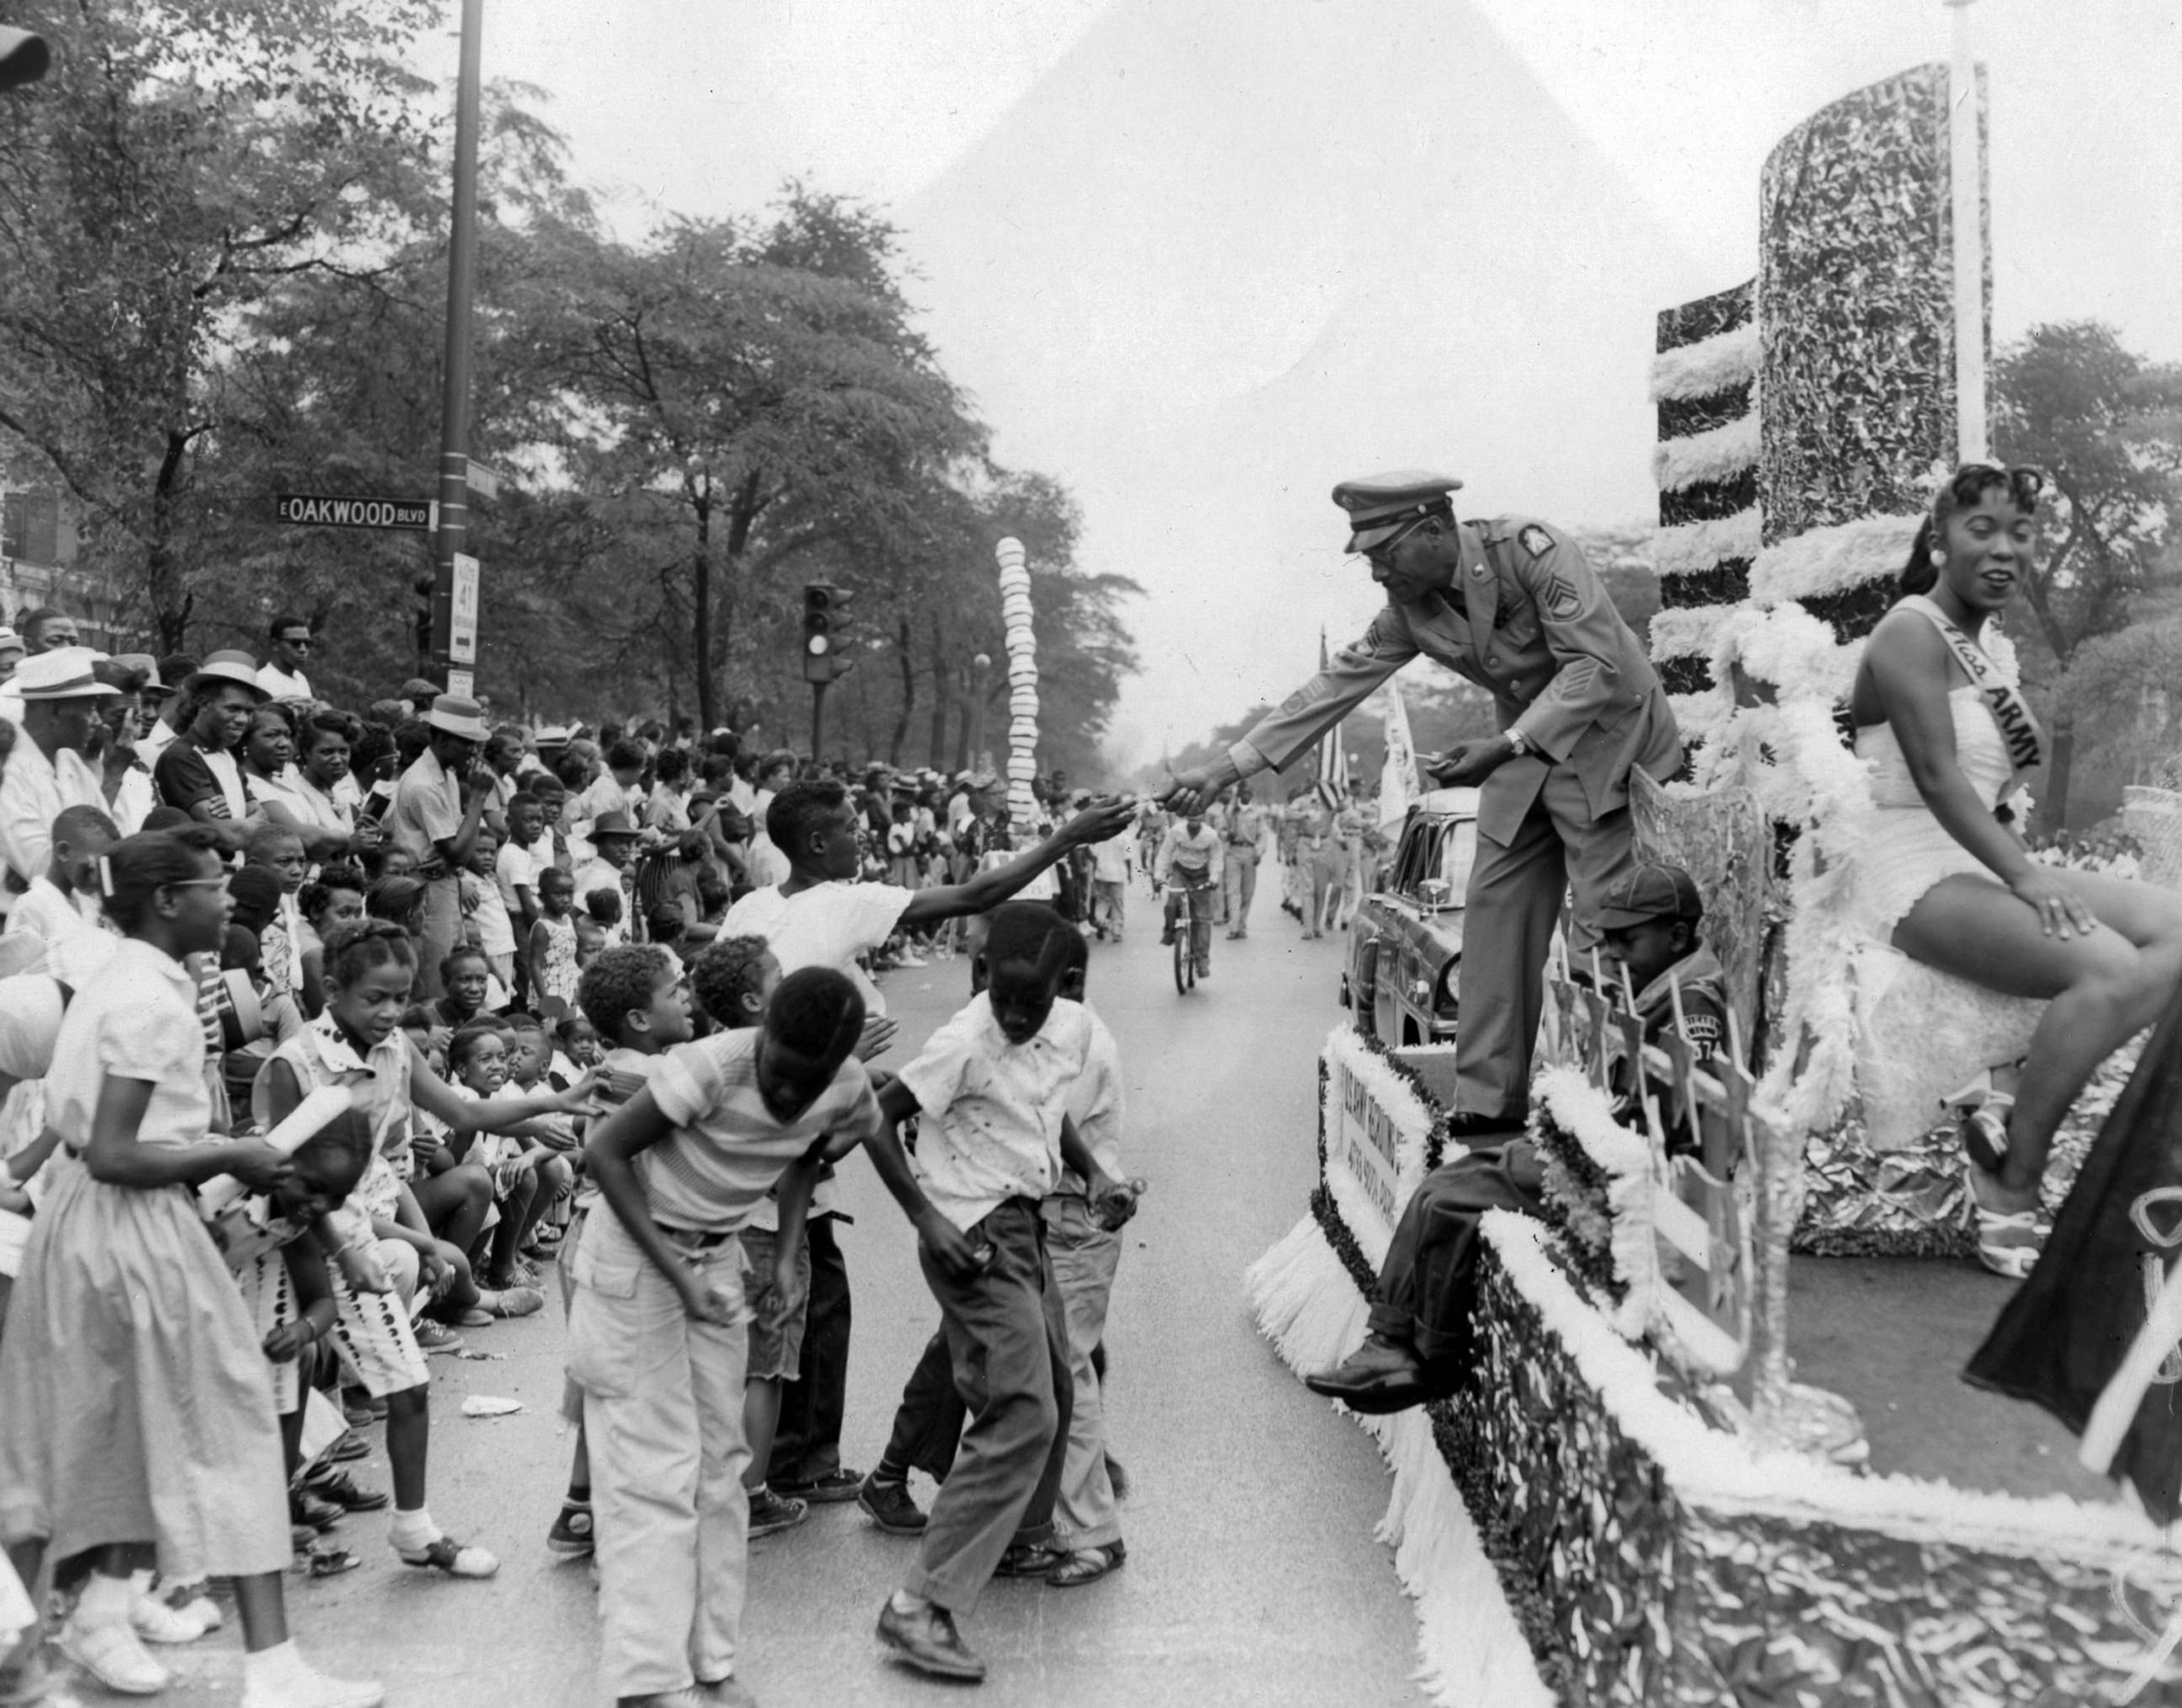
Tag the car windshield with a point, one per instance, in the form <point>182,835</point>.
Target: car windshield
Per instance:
<point>1458,853</point>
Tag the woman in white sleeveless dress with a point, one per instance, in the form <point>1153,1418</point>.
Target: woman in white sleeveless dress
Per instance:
<point>1944,880</point>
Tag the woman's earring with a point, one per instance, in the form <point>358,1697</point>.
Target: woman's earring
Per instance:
<point>1939,559</point>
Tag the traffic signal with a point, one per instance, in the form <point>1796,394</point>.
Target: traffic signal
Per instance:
<point>23,57</point>
<point>424,586</point>
<point>825,639</point>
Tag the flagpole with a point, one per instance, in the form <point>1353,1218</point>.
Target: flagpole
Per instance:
<point>1966,207</point>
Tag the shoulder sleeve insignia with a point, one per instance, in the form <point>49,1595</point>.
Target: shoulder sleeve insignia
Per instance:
<point>1535,540</point>
<point>1563,601</point>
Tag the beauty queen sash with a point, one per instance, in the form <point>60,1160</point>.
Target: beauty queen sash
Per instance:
<point>2018,729</point>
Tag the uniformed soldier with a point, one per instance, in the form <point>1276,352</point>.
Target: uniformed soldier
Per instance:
<point>1245,829</point>
<point>1511,604</point>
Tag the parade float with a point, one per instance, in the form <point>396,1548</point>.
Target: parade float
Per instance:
<point>1716,1450</point>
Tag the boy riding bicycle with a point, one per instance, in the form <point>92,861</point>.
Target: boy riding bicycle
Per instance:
<point>1188,869</point>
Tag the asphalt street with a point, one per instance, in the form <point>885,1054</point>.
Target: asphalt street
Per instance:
<point>1253,1577</point>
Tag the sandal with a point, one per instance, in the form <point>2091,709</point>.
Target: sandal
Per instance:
<point>1028,1560</point>
<point>2009,1241</point>
<point>1087,1565</point>
<point>331,1562</point>
<point>1981,1112</point>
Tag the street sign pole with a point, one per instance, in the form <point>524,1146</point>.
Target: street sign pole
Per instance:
<point>818,718</point>
<point>455,402</point>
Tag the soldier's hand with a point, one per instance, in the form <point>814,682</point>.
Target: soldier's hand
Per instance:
<point>1469,762</point>
<point>1192,791</point>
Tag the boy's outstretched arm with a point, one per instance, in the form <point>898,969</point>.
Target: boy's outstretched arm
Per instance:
<point>1094,824</point>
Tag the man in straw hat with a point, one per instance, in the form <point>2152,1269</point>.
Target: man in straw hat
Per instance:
<point>439,803</point>
<point>198,771</point>
<point>47,773</point>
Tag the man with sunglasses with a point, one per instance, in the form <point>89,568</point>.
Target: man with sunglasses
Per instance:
<point>282,676</point>
<point>1512,604</point>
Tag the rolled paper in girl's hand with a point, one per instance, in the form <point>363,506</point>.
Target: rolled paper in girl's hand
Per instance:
<point>305,1122</point>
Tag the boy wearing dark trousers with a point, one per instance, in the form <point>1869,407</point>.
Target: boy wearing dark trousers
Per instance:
<point>992,1086</point>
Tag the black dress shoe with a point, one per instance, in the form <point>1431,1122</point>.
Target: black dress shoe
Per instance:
<point>928,1641</point>
<point>1380,1377</point>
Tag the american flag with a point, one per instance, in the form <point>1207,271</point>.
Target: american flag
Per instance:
<point>1333,756</point>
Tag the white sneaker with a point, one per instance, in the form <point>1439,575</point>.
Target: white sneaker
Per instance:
<point>909,958</point>
<point>155,1621</point>
<point>114,1656</point>
<point>307,1689</point>
<point>195,1601</point>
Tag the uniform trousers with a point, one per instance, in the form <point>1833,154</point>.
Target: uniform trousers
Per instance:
<point>1513,902</point>
<point>1239,883</point>
<point>1427,1286</point>
<point>1007,1343</point>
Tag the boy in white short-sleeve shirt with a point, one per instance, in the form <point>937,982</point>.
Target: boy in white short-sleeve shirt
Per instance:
<point>993,1086</point>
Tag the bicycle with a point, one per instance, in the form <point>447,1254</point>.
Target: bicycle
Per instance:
<point>1193,948</point>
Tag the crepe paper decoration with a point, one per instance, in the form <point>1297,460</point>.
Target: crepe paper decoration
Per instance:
<point>1716,456</point>
<point>1697,546</point>
<point>1686,631</point>
<point>1724,361</point>
<point>1833,560</point>
<point>1856,307</point>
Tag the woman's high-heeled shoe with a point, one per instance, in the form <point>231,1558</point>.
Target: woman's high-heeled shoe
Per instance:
<point>1981,1111</point>
<point>2009,1241</point>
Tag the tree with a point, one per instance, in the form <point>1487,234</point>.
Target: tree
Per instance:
<point>161,184</point>
<point>2106,426</point>
<point>761,383</point>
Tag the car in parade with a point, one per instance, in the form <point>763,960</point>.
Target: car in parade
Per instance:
<point>1405,943</point>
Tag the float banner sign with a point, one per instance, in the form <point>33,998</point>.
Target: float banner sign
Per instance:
<point>318,510</point>
<point>1363,1145</point>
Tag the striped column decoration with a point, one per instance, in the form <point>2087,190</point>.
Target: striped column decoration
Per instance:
<point>1022,687</point>
<point>1704,383</point>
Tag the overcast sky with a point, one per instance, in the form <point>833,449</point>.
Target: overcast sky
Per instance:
<point>1202,258</point>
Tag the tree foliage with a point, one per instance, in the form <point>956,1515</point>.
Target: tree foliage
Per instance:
<point>224,227</point>
<point>2106,426</point>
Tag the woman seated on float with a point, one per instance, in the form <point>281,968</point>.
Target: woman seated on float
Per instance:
<point>1945,876</point>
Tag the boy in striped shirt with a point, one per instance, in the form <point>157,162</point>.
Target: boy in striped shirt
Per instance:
<point>656,1334</point>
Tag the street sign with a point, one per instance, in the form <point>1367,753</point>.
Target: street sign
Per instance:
<point>318,510</point>
<point>462,629</point>
<point>484,480</point>
<point>462,682</point>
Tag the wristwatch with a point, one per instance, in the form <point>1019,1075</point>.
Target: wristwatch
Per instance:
<point>1516,739</point>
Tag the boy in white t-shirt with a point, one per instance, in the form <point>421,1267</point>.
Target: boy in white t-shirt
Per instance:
<point>994,1084</point>
<point>819,916</point>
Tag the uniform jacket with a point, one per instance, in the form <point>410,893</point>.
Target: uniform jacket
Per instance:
<point>1527,620</point>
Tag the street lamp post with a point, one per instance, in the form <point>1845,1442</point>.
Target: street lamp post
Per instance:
<point>462,289</point>
<point>980,668</point>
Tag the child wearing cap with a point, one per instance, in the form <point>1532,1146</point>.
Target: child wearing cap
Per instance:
<point>1419,1342</point>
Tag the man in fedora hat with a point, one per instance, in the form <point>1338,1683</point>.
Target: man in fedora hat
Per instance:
<point>439,803</point>
<point>1511,604</point>
<point>613,866</point>
<point>197,772</point>
<point>47,773</point>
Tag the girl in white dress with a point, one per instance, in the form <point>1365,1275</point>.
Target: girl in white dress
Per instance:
<point>137,1409</point>
<point>1948,883</point>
